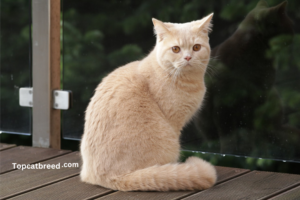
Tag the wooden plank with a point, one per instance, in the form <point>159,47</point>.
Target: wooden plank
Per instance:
<point>71,188</point>
<point>6,146</point>
<point>227,173</point>
<point>253,185</point>
<point>293,194</point>
<point>26,155</point>
<point>55,118</point>
<point>145,195</point>
<point>224,173</point>
<point>18,181</point>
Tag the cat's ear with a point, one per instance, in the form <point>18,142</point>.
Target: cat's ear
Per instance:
<point>160,29</point>
<point>204,25</point>
<point>280,8</point>
<point>262,4</point>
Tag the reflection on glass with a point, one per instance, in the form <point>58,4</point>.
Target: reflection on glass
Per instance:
<point>251,106</point>
<point>253,80</point>
<point>15,61</point>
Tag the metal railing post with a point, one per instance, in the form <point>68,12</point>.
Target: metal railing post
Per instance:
<point>45,72</point>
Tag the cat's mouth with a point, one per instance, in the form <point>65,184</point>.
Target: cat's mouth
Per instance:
<point>188,65</point>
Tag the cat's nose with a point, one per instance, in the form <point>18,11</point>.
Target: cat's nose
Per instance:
<point>188,58</point>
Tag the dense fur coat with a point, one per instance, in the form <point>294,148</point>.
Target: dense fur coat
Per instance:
<point>133,122</point>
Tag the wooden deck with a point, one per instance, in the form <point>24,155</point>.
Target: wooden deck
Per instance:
<point>64,183</point>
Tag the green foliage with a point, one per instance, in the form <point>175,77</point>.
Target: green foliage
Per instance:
<point>235,9</point>
<point>15,62</point>
<point>126,54</point>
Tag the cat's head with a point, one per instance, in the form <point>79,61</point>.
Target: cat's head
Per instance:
<point>183,46</point>
<point>268,21</point>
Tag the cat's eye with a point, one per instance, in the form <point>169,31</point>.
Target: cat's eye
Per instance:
<point>196,47</point>
<point>176,49</point>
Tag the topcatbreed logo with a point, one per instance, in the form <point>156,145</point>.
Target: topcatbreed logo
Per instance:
<point>44,166</point>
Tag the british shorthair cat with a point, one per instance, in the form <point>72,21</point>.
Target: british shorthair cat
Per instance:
<point>134,120</point>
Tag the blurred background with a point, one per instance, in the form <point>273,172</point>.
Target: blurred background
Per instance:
<point>250,117</point>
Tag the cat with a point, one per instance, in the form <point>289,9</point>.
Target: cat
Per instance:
<point>133,121</point>
<point>242,109</point>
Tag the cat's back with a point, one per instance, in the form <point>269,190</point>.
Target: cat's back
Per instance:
<point>120,86</point>
<point>121,75</point>
<point>123,79</point>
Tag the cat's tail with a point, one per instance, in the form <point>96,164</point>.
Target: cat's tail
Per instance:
<point>194,174</point>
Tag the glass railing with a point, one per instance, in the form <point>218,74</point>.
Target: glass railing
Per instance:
<point>15,61</point>
<point>252,103</point>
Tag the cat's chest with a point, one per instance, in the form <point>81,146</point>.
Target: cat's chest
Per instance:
<point>179,105</point>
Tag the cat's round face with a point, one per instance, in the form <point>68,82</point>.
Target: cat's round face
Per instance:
<point>184,49</point>
<point>183,46</point>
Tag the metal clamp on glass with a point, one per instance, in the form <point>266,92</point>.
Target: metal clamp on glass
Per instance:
<point>26,97</point>
<point>62,99</point>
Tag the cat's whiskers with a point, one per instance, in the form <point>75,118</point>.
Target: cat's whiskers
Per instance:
<point>177,74</point>
<point>208,67</point>
<point>174,75</point>
<point>179,66</point>
<point>213,58</point>
<point>205,59</point>
<point>169,71</point>
<point>170,74</point>
<point>211,71</point>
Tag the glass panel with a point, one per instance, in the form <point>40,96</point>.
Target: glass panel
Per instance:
<point>15,65</point>
<point>252,102</point>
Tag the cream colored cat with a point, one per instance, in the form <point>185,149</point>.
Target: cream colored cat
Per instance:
<point>133,122</point>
